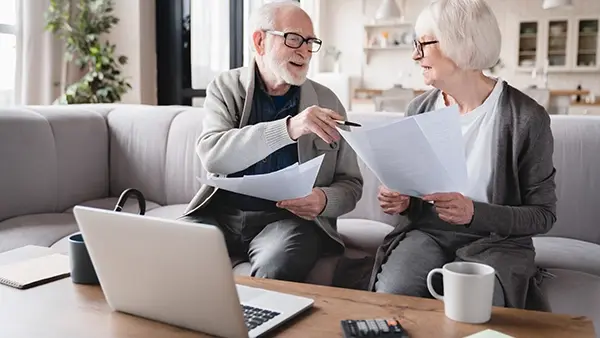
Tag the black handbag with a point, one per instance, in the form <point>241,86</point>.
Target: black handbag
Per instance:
<point>125,196</point>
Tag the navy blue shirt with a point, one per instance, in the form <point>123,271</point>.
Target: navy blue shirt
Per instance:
<point>265,108</point>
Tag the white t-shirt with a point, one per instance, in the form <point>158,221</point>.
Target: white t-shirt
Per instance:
<point>478,129</point>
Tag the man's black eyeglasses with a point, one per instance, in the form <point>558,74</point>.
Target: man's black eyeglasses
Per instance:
<point>419,46</point>
<point>295,40</point>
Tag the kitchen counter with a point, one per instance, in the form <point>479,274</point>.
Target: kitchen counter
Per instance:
<point>586,104</point>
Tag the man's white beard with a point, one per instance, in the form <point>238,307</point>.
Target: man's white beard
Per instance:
<point>279,68</point>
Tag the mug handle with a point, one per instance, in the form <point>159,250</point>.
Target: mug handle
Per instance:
<point>430,285</point>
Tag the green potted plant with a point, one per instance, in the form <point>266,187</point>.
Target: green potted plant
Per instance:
<point>81,30</point>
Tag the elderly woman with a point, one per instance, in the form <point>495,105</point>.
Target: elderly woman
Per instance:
<point>509,145</point>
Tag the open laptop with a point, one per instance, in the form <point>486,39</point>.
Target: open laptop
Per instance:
<point>178,273</point>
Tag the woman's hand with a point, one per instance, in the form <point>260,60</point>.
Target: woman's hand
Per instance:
<point>452,207</point>
<point>392,202</point>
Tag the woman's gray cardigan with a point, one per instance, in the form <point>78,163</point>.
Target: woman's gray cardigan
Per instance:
<point>522,199</point>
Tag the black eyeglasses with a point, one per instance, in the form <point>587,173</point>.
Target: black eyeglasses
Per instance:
<point>419,46</point>
<point>295,40</point>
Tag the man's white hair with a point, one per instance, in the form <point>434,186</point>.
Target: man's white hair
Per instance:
<point>264,17</point>
<point>467,31</point>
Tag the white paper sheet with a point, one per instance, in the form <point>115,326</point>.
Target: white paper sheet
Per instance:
<point>294,181</point>
<point>416,155</point>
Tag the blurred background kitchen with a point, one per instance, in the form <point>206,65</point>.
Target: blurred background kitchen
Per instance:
<point>550,49</point>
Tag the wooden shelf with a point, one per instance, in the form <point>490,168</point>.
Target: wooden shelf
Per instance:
<point>568,92</point>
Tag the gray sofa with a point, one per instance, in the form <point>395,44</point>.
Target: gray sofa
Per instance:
<point>55,157</point>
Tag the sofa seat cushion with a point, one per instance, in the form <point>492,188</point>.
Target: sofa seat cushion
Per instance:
<point>109,203</point>
<point>566,253</point>
<point>363,234</point>
<point>62,245</point>
<point>152,209</point>
<point>169,211</point>
<point>574,293</point>
<point>35,229</point>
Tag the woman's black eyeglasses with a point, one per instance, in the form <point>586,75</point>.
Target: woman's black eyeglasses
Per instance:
<point>419,46</point>
<point>295,40</point>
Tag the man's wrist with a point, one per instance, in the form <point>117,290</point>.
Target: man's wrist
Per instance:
<point>288,123</point>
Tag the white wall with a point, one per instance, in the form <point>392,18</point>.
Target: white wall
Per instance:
<point>341,25</point>
<point>135,38</point>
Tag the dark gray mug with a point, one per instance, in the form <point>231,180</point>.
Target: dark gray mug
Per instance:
<point>82,269</point>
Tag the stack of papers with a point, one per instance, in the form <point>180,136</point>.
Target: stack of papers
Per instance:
<point>295,181</point>
<point>416,155</point>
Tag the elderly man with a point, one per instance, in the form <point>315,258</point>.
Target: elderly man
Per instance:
<point>264,118</point>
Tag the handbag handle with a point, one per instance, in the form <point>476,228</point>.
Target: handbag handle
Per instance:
<point>126,194</point>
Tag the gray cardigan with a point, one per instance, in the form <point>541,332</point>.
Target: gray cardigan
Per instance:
<point>228,144</point>
<point>522,199</point>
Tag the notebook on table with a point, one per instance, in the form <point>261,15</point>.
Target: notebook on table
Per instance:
<point>35,271</point>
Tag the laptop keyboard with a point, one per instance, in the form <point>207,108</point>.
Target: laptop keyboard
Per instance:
<point>255,317</point>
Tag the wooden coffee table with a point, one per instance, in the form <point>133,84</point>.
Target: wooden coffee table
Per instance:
<point>63,309</point>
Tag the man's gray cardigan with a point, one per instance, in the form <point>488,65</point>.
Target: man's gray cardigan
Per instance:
<point>522,199</point>
<point>227,144</point>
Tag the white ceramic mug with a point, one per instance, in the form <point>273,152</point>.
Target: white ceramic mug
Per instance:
<point>468,291</point>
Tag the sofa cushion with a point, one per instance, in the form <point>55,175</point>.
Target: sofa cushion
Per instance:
<point>153,209</point>
<point>169,211</point>
<point>37,229</point>
<point>566,253</point>
<point>574,293</point>
<point>109,203</point>
<point>368,205</point>
<point>152,149</point>
<point>363,234</point>
<point>576,140</point>
<point>52,157</point>
<point>62,245</point>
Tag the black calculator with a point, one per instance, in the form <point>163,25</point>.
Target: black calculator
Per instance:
<point>384,328</point>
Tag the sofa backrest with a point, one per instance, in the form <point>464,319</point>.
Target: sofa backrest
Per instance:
<point>577,161</point>
<point>152,149</point>
<point>54,157</point>
<point>51,157</point>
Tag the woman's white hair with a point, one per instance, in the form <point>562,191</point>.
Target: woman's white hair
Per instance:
<point>467,31</point>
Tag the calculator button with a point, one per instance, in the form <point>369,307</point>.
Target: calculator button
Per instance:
<point>353,329</point>
<point>363,328</point>
<point>373,327</point>
<point>382,325</point>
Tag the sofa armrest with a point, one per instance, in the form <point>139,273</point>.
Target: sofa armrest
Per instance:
<point>574,293</point>
<point>363,234</point>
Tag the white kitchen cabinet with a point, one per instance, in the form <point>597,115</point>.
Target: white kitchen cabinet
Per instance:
<point>566,44</point>
<point>529,45</point>
<point>586,54</point>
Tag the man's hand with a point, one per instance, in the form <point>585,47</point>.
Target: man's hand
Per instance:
<point>308,207</point>
<point>392,202</point>
<point>452,207</point>
<point>317,120</point>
